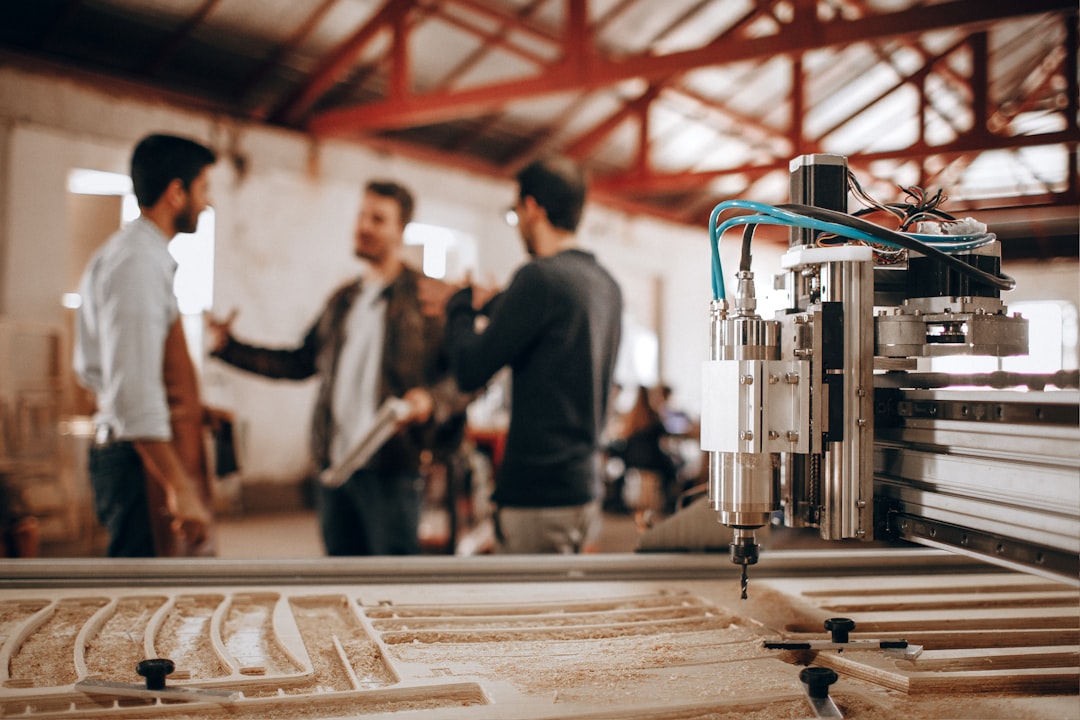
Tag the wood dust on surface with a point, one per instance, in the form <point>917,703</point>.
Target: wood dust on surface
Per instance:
<point>689,653</point>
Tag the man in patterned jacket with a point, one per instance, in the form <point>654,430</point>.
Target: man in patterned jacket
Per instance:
<point>370,343</point>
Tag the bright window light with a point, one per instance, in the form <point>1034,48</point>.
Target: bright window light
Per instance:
<point>194,255</point>
<point>1052,343</point>
<point>441,245</point>
<point>1051,337</point>
<point>96,182</point>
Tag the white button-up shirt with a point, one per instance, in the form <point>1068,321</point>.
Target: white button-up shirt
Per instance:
<point>128,307</point>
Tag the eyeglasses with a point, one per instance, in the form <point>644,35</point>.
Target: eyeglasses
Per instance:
<point>511,216</point>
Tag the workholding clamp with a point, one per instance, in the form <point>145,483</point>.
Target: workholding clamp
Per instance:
<point>155,670</point>
<point>839,629</point>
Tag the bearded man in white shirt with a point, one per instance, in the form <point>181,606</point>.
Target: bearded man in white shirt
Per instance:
<point>147,467</point>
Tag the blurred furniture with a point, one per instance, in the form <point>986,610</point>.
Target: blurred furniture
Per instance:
<point>40,500</point>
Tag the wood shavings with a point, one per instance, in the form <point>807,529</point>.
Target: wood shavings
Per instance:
<point>114,651</point>
<point>36,663</point>
<point>184,637</point>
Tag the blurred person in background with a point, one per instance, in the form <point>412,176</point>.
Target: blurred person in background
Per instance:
<point>640,446</point>
<point>147,464</point>
<point>557,327</point>
<point>369,343</point>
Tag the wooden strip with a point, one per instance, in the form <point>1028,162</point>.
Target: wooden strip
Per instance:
<point>961,639</point>
<point>631,602</point>
<point>549,620</point>
<point>946,601</point>
<point>959,619</point>
<point>1033,680</point>
<point>918,585</point>
<point>994,659</point>
<point>578,632</point>
<point>1028,680</point>
<point>345,663</point>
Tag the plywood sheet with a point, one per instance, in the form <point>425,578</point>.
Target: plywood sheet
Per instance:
<point>980,633</point>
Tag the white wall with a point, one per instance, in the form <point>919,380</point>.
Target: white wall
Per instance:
<point>284,232</point>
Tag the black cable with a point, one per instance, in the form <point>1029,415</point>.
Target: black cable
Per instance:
<point>1003,282</point>
<point>747,238</point>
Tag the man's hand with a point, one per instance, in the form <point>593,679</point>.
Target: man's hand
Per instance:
<point>190,515</point>
<point>218,332</point>
<point>421,404</point>
<point>482,294</point>
<point>191,518</point>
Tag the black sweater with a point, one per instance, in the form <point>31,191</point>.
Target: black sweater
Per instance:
<point>557,326</point>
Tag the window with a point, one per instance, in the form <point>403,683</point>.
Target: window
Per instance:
<point>194,252</point>
<point>446,253</point>
<point>1052,343</point>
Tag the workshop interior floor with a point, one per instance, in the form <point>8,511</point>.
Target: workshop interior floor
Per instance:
<point>296,534</point>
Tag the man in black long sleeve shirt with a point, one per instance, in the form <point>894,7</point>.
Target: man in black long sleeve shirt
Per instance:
<point>557,326</point>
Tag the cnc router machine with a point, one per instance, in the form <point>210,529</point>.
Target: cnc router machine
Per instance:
<point>822,414</point>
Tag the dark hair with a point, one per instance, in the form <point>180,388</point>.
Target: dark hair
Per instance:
<point>160,159</point>
<point>558,185</point>
<point>395,191</point>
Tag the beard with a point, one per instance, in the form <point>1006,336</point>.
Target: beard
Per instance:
<point>367,249</point>
<point>187,220</point>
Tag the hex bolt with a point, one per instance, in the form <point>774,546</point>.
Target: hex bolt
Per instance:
<point>818,680</point>
<point>155,670</point>
<point>839,627</point>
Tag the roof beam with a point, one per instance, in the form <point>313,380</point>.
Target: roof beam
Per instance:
<point>915,76</point>
<point>496,38</point>
<point>584,145</point>
<point>298,36</point>
<point>563,77</point>
<point>983,142</point>
<point>338,62</point>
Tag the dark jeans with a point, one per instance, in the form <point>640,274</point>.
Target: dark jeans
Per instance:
<point>119,484</point>
<point>372,514</point>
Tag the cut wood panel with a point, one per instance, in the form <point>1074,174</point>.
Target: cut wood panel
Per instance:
<point>969,639</point>
<point>996,659</point>
<point>975,584</point>
<point>640,650</point>
<point>878,669</point>
<point>975,618</point>
<point>987,633</point>
<point>892,601</point>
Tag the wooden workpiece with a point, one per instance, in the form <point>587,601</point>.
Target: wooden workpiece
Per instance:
<point>997,645</point>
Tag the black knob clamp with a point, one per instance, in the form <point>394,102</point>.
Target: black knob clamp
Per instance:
<point>818,680</point>
<point>839,627</point>
<point>155,670</point>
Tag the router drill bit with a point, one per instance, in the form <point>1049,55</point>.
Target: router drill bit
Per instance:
<point>744,551</point>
